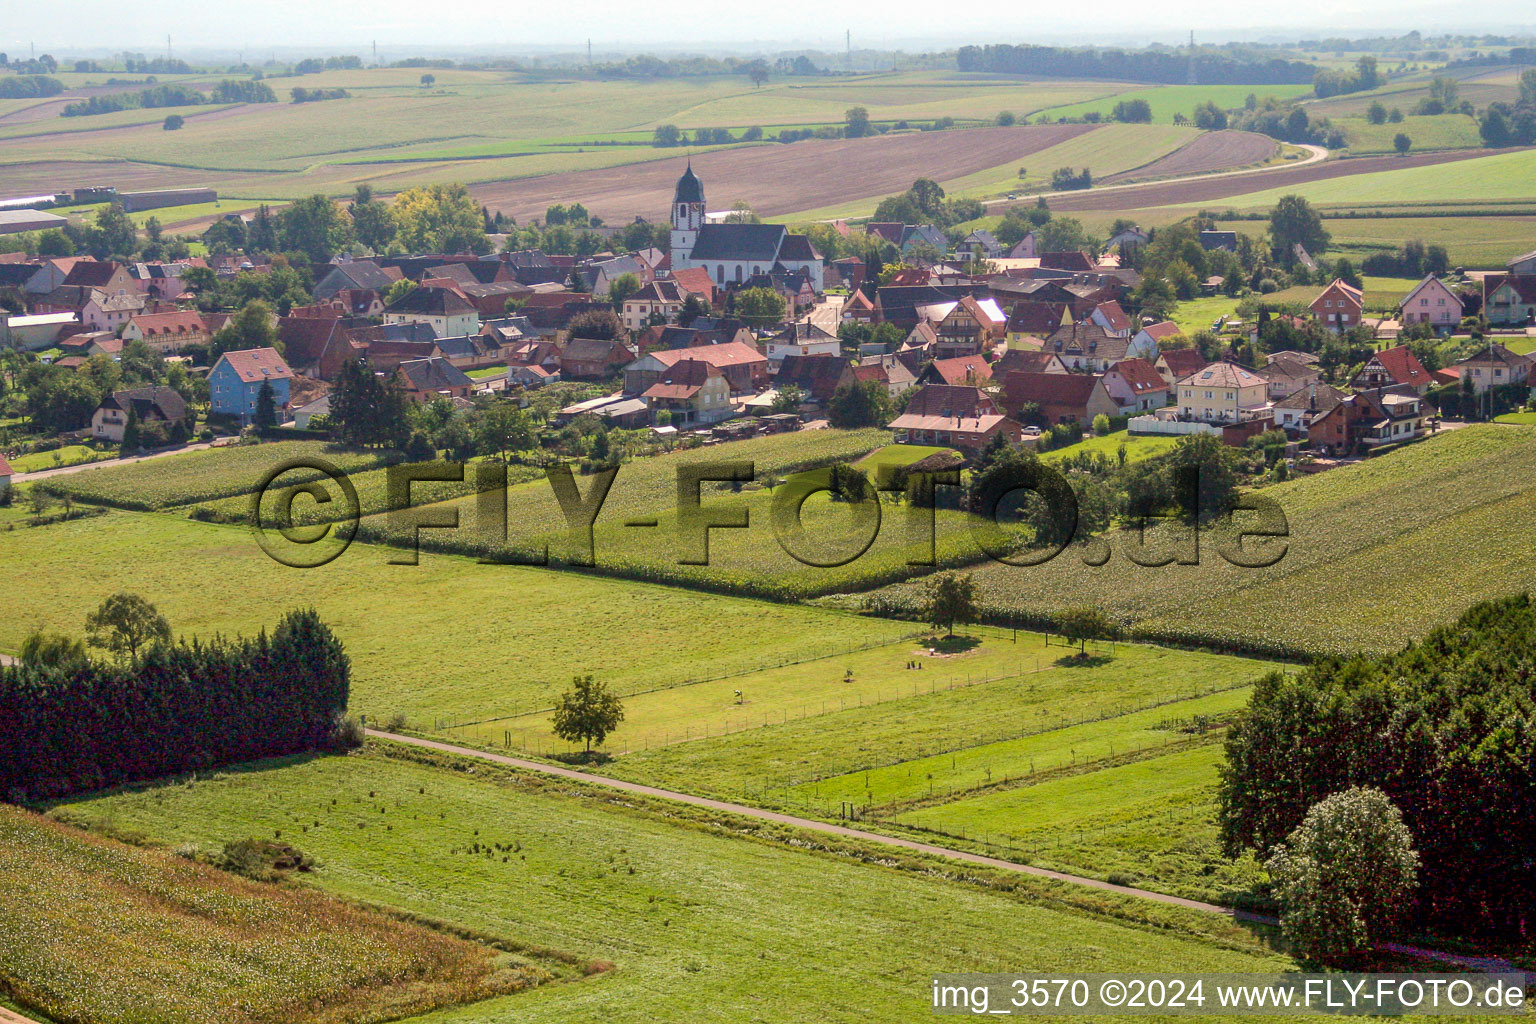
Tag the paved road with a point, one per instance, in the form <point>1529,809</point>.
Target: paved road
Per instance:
<point>43,474</point>
<point>1493,964</point>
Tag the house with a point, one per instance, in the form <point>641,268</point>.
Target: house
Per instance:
<point>858,308</point>
<point>6,472</point>
<point>1148,341</point>
<point>423,380</point>
<point>236,380</point>
<point>1222,393</point>
<point>1087,346</point>
<point>972,370</point>
<point>1510,301</point>
<point>979,245</point>
<point>1296,412</point>
<point>600,274</point>
<point>1059,397</point>
<point>1112,318</point>
<point>303,416</point>
<point>691,392</point>
<point>1432,302</point>
<point>662,299</point>
<point>1286,378</point>
<point>1225,241</point>
<point>1338,307</point>
<point>734,252</point>
<point>305,340</point>
<point>110,311</point>
<point>694,281</point>
<point>149,405</point>
<point>1071,259</point>
<point>169,332</point>
<point>35,332</point>
<point>448,314</point>
<point>1369,419</point>
<point>1136,386</point>
<point>886,369</point>
<point>1036,320</point>
<point>816,376</point>
<point>744,368</point>
<point>801,338</point>
<point>1027,248</point>
<point>1128,239</point>
<point>593,358</point>
<point>1177,363</point>
<point>532,376</point>
<point>968,327</point>
<point>357,276</point>
<point>1493,367</point>
<point>1393,366</point>
<point>1297,356</point>
<point>966,418</point>
<point>1523,266</point>
<point>105,276</point>
<point>1027,361</point>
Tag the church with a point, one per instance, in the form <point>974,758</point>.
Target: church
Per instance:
<point>734,253</point>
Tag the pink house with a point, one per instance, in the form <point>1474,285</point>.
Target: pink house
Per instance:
<point>1432,302</point>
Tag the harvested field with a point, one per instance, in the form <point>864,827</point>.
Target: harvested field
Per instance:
<point>1216,188</point>
<point>780,179</point>
<point>57,175</point>
<point>1212,151</point>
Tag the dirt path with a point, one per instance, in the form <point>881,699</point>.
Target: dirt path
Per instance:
<point>1494,964</point>
<point>44,474</point>
<point>12,1017</point>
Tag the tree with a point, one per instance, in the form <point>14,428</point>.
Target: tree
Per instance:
<point>1132,112</point>
<point>54,650</point>
<point>131,442</point>
<point>398,290</point>
<point>266,406</point>
<point>949,599</point>
<point>1376,113</point>
<point>666,135</point>
<point>173,122</point>
<point>587,712</point>
<point>1294,222</point>
<point>757,71</point>
<point>1345,877</point>
<point>372,223</point>
<point>125,623</point>
<point>1005,119</point>
<point>428,80</point>
<point>856,122</point>
<point>54,243</point>
<point>365,410</point>
<point>1402,143</point>
<point>621,288</point>
<point>503,428</point>
<point>1210,117</point>
<point>788,398</point>
<point>599,324</point>
<point>859,404</point>
<point>1079,625</point>
<point>113,233</point>
<point>252,327</point>
<point>760,307</point>
<point>1101,425</point>
<point>315,227</point>
<point>439,218</point>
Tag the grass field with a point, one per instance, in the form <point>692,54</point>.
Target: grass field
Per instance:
<point>1382,294</point>
<point>1501,176</point>
<point>169,940</point>
<point>1470,241</point>
<point>1369,551</point>
<point>69,455</point>
<point>1439,131</point>
<point>1136,448</point>
<point>1179,99</point>
<point>703,921</point>
<point>448,639</point>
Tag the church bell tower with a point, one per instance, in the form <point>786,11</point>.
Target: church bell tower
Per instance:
<point>687,214</point>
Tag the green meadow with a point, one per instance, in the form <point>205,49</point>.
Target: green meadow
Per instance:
<point>1500,176</point>
<point>703,918</point>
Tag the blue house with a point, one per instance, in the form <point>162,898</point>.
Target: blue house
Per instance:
<point>234,383</point>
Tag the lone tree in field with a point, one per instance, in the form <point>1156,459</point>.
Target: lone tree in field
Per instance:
<point>126,623</point>
<point>1294,222</point>
<point>1080,625</point>
<point>1402,143</point>
<point>1346,876</point>
<point>948,600</point>
<point>587,713</point>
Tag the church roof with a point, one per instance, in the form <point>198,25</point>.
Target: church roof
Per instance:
<point>738,241</point>
<point>689,188</point>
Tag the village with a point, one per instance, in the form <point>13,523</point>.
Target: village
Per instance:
<point>744,328</point>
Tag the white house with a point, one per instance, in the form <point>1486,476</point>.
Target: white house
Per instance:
<point>803,338</point>
<point>1222,393</point>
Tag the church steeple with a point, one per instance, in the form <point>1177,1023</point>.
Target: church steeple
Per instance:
<point>687,213</point>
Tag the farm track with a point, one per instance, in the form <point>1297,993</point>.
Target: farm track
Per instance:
<point>827,828</point>
<point>776,178</point>
<point>1214,187</point>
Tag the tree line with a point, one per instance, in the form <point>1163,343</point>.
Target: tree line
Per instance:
<point>70,724</point>
<point>1165,66</point>
<point>1446,728</point>
<point>170,95</point>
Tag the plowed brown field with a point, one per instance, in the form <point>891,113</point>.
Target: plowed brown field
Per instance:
<point>1212,151</point>
<point>779,179</point>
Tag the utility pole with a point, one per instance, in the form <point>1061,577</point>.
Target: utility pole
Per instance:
<point>848,43</point>
<point>589,51</point>
<point>375,51</point>
<point>167,46</point>
<point>1191,80</point>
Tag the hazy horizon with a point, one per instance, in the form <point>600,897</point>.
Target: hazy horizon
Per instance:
<point>95,26</point>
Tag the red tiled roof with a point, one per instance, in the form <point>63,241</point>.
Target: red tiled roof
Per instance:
<point>182,321</point>
<point>1114,316</point>
<point>257,364</point>
<point>1182,362</point>
<point>1140,375</point>
<point>1048,388</point>
<point>962,369</point>
<point>1162,329</point>
<point>1402,366</point>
